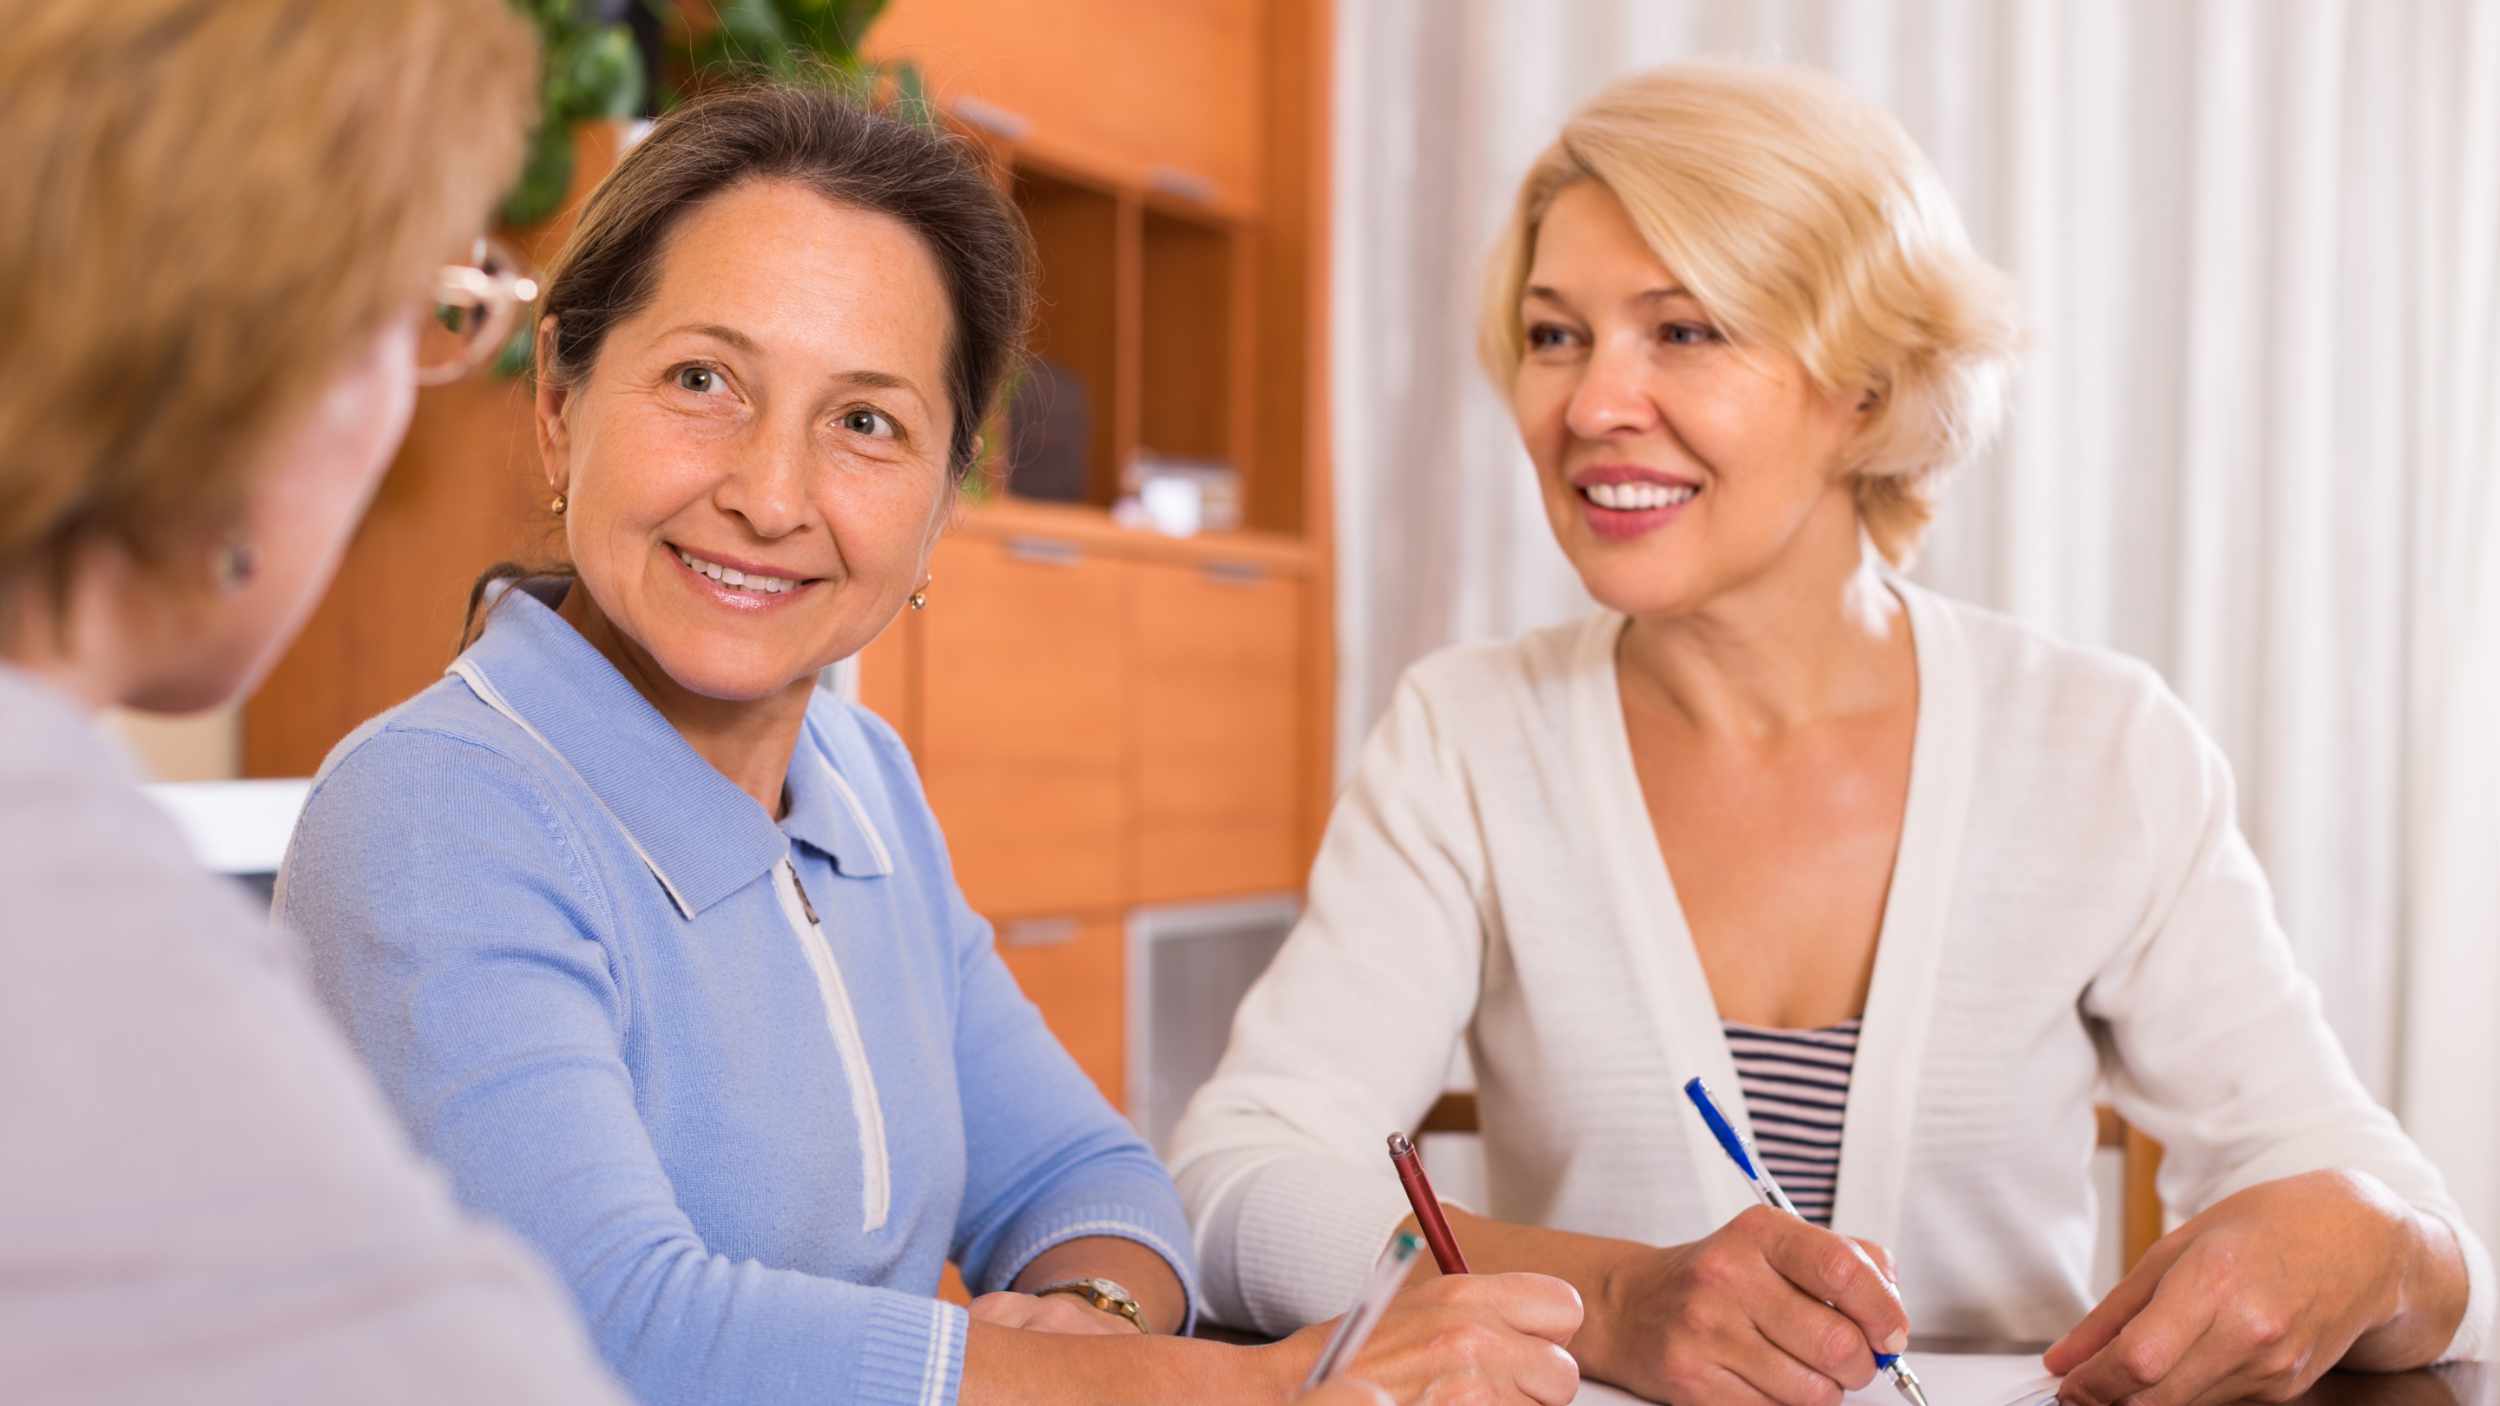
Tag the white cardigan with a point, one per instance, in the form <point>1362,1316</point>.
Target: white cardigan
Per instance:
<point>2073,914</point>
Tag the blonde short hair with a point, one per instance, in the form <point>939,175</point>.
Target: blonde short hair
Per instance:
<point>1803,219</point>
<point>205,205</point>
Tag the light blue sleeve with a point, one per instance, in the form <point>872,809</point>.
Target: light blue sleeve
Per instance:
<point>1047,1157</point>
<point>454,924</point>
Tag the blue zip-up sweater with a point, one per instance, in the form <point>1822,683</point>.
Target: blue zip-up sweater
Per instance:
<point>747,1084</point>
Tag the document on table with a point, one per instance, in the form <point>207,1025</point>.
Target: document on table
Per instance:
<point>1951,1379</point>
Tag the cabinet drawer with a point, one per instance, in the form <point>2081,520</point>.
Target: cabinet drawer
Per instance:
<point>1023,681</point>
<point>1214,719</point>
<point>1075,969</point>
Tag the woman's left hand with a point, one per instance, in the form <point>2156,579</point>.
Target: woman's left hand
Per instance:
<point>1058,1313</point>
<point>2259,1296</point>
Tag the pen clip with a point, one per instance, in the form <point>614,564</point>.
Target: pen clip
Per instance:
<point>1721,1128</point>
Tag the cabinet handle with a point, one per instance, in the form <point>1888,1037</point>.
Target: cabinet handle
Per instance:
<point>1233,573</point>
<point>1044,550</point>
<point>1187,185</point>
<point>1038,932</point>
<point>991,118</point>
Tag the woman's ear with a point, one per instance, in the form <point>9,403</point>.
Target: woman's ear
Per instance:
<point>548,404</point>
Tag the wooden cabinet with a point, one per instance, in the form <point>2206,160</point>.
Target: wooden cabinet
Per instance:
<point>1173,95</point>
<point>1103,719</point>
<point>1216,649</point>
<point>1019,724</point>
<point>1074,969</point>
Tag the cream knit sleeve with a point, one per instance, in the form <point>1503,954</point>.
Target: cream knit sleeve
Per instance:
<point>2221,1051</point>
<point>1347,1038</point>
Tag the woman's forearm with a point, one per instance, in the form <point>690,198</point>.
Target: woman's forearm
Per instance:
<point>1013,1367</point>
<point>1135,1268</point>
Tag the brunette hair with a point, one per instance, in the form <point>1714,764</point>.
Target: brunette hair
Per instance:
<point>815,136</point>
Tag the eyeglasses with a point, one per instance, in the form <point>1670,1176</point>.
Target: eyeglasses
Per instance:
<point>475,307</point>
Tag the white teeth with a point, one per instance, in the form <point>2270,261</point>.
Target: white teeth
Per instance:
<point>731,576</point>
<point>1638,497</point>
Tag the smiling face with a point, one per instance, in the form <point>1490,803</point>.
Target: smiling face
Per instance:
<point>1675,466</point>
<point>756,463</point>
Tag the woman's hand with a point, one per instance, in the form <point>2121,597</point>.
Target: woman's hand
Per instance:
<point>1768,1311</point>
<point>2259,1296</point>
<point>1346,1393</point>
<point>1468,1340</point>
<point>1059,1313</point>
<point>1465,1389</point>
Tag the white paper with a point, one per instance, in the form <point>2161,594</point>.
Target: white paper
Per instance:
<point>1950,1379</point>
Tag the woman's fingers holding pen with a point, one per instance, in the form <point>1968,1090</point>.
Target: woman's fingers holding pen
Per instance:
<point>1788,1312</point>
<point>1883,1260</point>
<point>1477,1340</point>
<point>1810,1337</point>
<point>1837,1270</point>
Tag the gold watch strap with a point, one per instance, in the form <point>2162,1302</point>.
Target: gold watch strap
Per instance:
<point>1102,1294</point>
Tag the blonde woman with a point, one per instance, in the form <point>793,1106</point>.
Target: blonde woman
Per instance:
<point>218,225</point>
<point>1909,884</point>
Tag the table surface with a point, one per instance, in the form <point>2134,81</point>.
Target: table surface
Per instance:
<point>2458,1384</point>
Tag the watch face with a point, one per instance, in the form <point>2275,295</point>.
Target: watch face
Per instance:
<point>1109,1295</point>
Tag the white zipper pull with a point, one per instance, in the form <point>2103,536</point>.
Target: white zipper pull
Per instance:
<point>808,907</point>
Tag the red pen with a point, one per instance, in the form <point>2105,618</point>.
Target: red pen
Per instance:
<point>1427,1206</point>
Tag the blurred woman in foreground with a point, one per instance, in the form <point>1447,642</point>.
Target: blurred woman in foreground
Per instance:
<point>221,226</point>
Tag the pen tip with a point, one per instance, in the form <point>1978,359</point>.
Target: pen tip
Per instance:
<point>1909,1384</point>
<point>1398,1145</point>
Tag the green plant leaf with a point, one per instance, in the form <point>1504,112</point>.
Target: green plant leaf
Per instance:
<point>603,75</point>
<point>512,359</point>
<point>546,175</point>
<point>911,93</point>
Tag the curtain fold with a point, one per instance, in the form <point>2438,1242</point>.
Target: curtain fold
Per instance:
<point>2254,440</point>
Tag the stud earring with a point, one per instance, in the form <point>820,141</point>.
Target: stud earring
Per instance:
<point>557,507</point>
<point>920,598</point>
<point>237,564</point>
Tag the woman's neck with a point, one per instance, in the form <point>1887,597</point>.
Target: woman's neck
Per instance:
<point>750,742</point>
<point>1819,636</point>
<point>63,629</point>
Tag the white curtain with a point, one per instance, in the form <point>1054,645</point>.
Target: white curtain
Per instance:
<point>2259,242</point>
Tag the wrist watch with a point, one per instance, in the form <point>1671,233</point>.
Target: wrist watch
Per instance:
<point>1106,1294</point>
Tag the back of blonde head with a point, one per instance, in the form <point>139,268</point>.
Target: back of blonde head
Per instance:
<point>204,206</point>
<point>1805,221</point>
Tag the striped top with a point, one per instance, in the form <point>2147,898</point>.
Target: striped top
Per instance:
<point>1795,1084</point>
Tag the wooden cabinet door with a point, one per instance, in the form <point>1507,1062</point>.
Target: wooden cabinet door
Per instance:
<point>1075,970</point>
<point>1190,80</point>
<point>1023,673</point>
<point>1215,717</point>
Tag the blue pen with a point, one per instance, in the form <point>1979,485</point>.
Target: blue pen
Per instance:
<point>1758,1177</point>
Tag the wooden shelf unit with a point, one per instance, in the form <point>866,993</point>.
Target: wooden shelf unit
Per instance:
<point>1108,718</point>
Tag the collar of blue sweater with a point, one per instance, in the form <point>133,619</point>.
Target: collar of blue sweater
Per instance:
<point>703,838</point>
